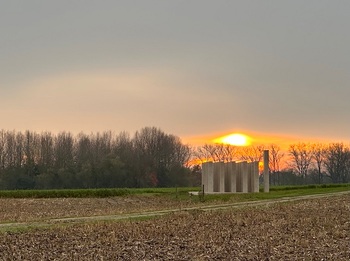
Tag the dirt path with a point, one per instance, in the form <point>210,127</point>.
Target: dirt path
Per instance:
<point>146,214</point>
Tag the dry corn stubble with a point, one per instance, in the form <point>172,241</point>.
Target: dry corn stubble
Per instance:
<point>24,210</point>
<point>306,230</point>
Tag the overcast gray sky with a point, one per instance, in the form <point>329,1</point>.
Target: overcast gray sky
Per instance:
<point>191,68</point>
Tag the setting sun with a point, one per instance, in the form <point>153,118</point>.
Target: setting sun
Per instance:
<point>235,139</point>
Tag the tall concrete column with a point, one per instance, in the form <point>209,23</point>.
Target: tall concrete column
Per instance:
<point>216,177</point>
<point>244,176</point>
<point>232,172</point>
<point>221,174</point>
<point>250,177</point>
<point>210,177</point>
<point>256,176</point>
<point>266,172</point>
<point>205,176</point>
<point>239,177</point>
<point>227,178</point>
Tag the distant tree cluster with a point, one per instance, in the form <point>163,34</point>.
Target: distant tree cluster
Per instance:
<point>225,153</point>
<point>320,161</point>
<point>151,158</point>
<point>303,163</point>
<point>44,160</point>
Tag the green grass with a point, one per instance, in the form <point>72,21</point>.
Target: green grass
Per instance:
<point>314,186</point>
<point>279,192</point>
<point>176,193</point>
<point>92,193</point>
<point>63,193</point>
<point>162,190</point>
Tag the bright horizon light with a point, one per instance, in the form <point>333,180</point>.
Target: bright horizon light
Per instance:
<point>235,139</point>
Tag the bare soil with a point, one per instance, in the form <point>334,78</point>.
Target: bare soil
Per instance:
<point>26,210</point>
<point>314,229</point>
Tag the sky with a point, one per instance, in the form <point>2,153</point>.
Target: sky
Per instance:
<point>276,70</point>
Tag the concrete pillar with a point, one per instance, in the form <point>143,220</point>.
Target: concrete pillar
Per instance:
<point>256,176</point>
<point>233,177</point>
<point>210,177</point>
<point>219,177</point>
<point>266,172</point>
<point>232,173</point>
<point>250,178</point>
<point>239,177</point>
<point>205,176</point>
<point>216,177</point>
<point>244,176</point>
<point>253,178</point>
<point>227,177</point>
<point>221,174</point>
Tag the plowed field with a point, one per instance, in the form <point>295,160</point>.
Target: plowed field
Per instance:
<point>24,210</point>
<point>315,229</point>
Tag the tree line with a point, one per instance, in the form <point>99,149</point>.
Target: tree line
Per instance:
<point>151,158</point>
<point>302,163</point>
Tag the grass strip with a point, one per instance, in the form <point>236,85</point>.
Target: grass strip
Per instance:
<point>89,193</point>
<point>275,191</point>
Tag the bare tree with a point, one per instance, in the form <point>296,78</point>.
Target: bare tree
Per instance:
<point>230,152</point>
<point>46,159</point>
<point>19,145</point>
<point>2,149</point>
<point>181,153</point>
<point>123,145</point>
<point>83,151</point>
<point>318,152</point>
<point>202,155</point>
<point>101,145</point>
<point>337,161</point>
<point>64,150</point>
<point>9,160</point>
<point>275,161</point>
<point>31,149</point>
<point>252,153</point>
<point>156,155</point>
<point>301,156</point>
<point>216,152</point>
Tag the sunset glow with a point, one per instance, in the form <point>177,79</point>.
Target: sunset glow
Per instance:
<point>216,91</point>
<point>235,139</point>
